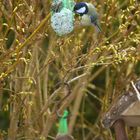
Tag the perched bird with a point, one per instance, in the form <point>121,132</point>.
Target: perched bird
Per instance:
<point>88,13</point>
<point>57,6</point>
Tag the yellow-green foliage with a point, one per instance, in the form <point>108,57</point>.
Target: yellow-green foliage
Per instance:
<point>34,61</point>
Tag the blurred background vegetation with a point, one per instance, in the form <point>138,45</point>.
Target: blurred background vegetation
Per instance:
<point>34,61</point>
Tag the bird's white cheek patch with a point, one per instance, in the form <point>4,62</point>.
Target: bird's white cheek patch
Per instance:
<point>81,10</point>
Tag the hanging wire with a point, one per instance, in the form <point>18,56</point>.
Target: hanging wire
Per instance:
<point>63,99</point>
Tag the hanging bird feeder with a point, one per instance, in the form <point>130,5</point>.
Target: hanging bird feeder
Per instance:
<point>63,128</point>
<point>62,18</point>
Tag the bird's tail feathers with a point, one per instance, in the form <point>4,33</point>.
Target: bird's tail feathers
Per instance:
<point>98,28</point>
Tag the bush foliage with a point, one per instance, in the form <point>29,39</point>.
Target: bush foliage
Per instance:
<point>36,64</point>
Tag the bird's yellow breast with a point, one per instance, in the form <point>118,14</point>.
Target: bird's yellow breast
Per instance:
<point>86,20</point>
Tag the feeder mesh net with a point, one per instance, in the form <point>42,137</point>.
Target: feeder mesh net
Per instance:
<point>62,22</point>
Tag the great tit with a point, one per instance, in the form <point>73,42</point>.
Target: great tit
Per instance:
<point>88,13</point>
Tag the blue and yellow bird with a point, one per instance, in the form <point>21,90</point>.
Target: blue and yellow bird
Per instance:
<point>88,13</point>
